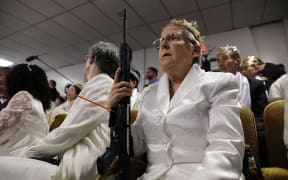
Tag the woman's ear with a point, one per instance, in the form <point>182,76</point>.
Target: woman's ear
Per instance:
<point>197,49</point>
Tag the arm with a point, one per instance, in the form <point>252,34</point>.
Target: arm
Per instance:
<point>225,150</point>
<point>139,145</point>
<point>19,103</point>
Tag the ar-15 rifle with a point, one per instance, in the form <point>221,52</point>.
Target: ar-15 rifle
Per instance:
<point>119,122</point>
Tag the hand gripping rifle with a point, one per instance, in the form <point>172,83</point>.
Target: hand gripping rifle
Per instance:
<point>119,122</point>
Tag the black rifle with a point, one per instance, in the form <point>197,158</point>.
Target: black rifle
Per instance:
<point>119,122</point>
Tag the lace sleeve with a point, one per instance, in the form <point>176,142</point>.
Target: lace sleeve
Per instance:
<point>20,102</point>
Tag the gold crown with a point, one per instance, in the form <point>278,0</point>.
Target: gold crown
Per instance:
<point>251,61</point>
<point>78,85</point>
<point>190,26</point>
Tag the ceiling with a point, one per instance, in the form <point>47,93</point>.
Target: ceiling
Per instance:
<point>60,31</point>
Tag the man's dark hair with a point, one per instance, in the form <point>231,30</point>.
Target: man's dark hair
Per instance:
<point>153,69</point>
<point>31,78</point>
<point>53,83</point>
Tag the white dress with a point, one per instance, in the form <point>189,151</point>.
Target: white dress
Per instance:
<point>22,124</point>
<point>195,135</point>
<point>81,138</point>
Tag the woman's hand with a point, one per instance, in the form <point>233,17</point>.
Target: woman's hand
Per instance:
<point>119,90</point>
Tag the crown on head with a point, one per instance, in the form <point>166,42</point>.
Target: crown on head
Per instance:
<point>190,26</point>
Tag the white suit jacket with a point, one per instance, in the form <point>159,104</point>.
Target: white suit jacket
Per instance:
<point>83,135</point>
<point>195,135</point>
<point>244,96</point>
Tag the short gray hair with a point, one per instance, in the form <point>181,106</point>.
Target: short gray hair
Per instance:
<point>105,56</point>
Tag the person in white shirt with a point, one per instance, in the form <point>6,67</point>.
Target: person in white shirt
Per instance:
<point>228,59</point>
<point>73,92</point>
<point>84,134</point>
<point>188,122</point>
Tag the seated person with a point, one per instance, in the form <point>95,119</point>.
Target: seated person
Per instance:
<point>23,121</point>
<point>188,122</point>
<point>249,69</point>
<point>269,72</point>
<point>84,134</point>
<point>134,81</point>
<point>228,59</point>
<point>73,91</point>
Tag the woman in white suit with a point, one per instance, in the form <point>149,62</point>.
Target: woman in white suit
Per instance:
<point>188,123</point>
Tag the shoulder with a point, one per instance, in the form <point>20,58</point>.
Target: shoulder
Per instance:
<point>216,83</point>
<point>21,100</point>
<point>23,96</point>
<point>98,83</point>
<point>219,79</point>
<point>97,87</point>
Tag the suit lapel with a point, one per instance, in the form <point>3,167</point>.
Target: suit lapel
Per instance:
<point>163,95</point>
<point>187,85</point>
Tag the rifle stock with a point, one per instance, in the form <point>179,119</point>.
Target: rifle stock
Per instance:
<point>119,122</point>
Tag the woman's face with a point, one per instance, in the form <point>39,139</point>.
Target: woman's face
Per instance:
<point>249,71</point>
<point>175,55</point>
<point>71,93</point>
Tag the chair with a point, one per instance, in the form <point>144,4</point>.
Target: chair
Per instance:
<point>250,131</point>
<point>274,127</point>
<point>57,121</point>
<point>55,118</point>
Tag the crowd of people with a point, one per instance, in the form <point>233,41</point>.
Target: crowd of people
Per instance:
<point>188,121</point>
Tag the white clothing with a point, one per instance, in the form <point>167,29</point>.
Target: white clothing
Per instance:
<point>195,135</point>
<point>22,168</point>
<point>279,88</point>
<point>244,96</point>
<point>81,138</point>
<point>135,99</point>
<point>278,91</point>
<point>66,106</point>
<point>22,124</point>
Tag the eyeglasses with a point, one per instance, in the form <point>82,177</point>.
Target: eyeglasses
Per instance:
<point>172,38</point>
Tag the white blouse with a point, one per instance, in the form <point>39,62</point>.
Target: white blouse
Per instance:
<point>195,135</point>
<point>22,124</point>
